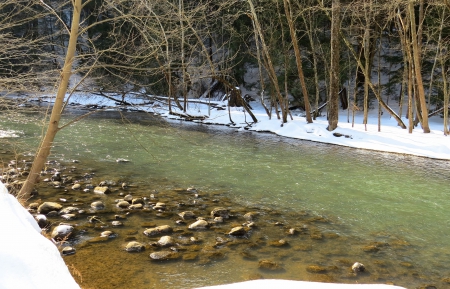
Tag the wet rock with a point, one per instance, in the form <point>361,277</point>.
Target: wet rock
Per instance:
<point>279,243</point>
<point>98,205</point>
<point>94,219</point>
<point>128,198</point>
<point>41,220</point>
<point>190,256</point>
<point>134,246</point>
<point>123,204</point>
<point>101,190</point>
<point>158,230</point>
<point>218,220</point>
<point>250,216</point>
<point>69,216</point>
<point>220,212</point>
<point>136,201</point>
<point>68,210</point>
<point>186,215</point>
<point>374,247</point>
<point>62,232</point>
<point>358,267</point>
<point>116,223</point>
<point>76,187</point>
<point>316,269</point>
<point>52,214</point>
<point>198,225</point>
<point>56,177</point>
<point>269,265</point>
<point>292,231</point>
<point>160,206</point>
<point>166,241</point>
<point>68,251</point>
<point>47,207</point>
<point>237,231</point>
<point>164,255</point>
<point>108,234</point>
<point>33,206</point>
<point>136,207</point>
<point>247,255</point>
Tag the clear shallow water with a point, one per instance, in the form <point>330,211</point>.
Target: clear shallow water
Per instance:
<point>370,196</point>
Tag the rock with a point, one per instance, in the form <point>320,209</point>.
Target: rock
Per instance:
<point>136,201</point>
<point>316,269</point>
<point>164,255</point>
<point>190,256</point>
<point>279,243</point>
<point>159,206</point>
<point>292,231</point>
<point>166,241</point>
<point>250,216</point>
<point>68,210</point>
<point>33,206</point>
<point>198,225</point>
<point>98,205</point>
<point>358,267</point>
<point>101,190</point>
<point>69,217</point>
<point>128,198</point>
<point>134,246</point>
<point>76,187</point>
<point>56,177</point>
<point>218,219</point>
<point>220,212</point>
<point>62,232</point>
<point>47,207</point>
<point>269,265</point>
<point>68,251</point>
<point>187,215</point>
<point>41,220</point>
<point>135,207</point>
<point>123,204</point>
<point>158,230</point>
<point>116,223</point>
<point>237,231</point>
<point>108,234</point>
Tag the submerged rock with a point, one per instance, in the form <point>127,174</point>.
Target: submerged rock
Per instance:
<point>269,265</point>
<point>98,205</point>
<point>199,225</point>
<point>48,207</point>
<point>164,255</point>
<point>134,246</point>
<point>237,231</point>
<point>187,215</point>
<point>158,230</point>
<point>220,212</point>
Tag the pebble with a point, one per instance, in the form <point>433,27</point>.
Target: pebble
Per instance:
<point>134,246</point>
<point>199,225</point>
<point>68,251</point>
<point>98,205</point>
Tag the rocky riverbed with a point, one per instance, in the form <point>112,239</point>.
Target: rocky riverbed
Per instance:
<point>115,234</point>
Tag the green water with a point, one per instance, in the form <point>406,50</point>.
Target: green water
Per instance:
<point>370,195</point>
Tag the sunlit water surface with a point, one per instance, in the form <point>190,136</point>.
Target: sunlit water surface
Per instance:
<point>369,196</point>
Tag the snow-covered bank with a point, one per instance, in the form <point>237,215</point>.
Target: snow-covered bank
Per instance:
<point>28,259</point>
<point>289,284</point>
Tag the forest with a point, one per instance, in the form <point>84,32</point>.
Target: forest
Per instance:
<point>357,55</point>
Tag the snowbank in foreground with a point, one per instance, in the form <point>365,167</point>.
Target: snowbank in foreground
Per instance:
<point>288,284</point>
<point>27,259</point>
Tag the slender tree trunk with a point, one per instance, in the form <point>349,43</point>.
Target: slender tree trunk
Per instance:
<point>418,67</point>
<point>298,58</point>
<point>53,125</point>
<point>333,107</point>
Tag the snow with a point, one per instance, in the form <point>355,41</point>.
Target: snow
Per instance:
<point>28,259</point>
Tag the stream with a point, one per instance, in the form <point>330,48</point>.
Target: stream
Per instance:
<point>390,212</point>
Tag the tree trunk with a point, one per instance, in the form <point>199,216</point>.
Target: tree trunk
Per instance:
<point>418,67</point>
<point>53,125</point>
<point>333,108</point>
<point>298,58</point>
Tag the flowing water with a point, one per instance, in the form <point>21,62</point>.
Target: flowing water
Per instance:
<point>366,197</point>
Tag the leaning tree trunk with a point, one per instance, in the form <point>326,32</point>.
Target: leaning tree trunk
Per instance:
<point>53,125</point>
<point>333,108</point>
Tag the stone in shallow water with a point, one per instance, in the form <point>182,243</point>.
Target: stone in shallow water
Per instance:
<point>123,204</point>
<point>358,267</point>
<point>68,251</point>
<point>316,269</point>
<point>98,205</point>
<point>134,246</point>
<point>101,190</point>
<point>166,241</point>
<point>238,231</point>
<point>164,255</point>
<point>158,230</point>
<point>62,232</point>
<point>187,215</point>
<point>199,225</point>
<point>220,212</point>
<point>47,207</point>
<point>269,265</point>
